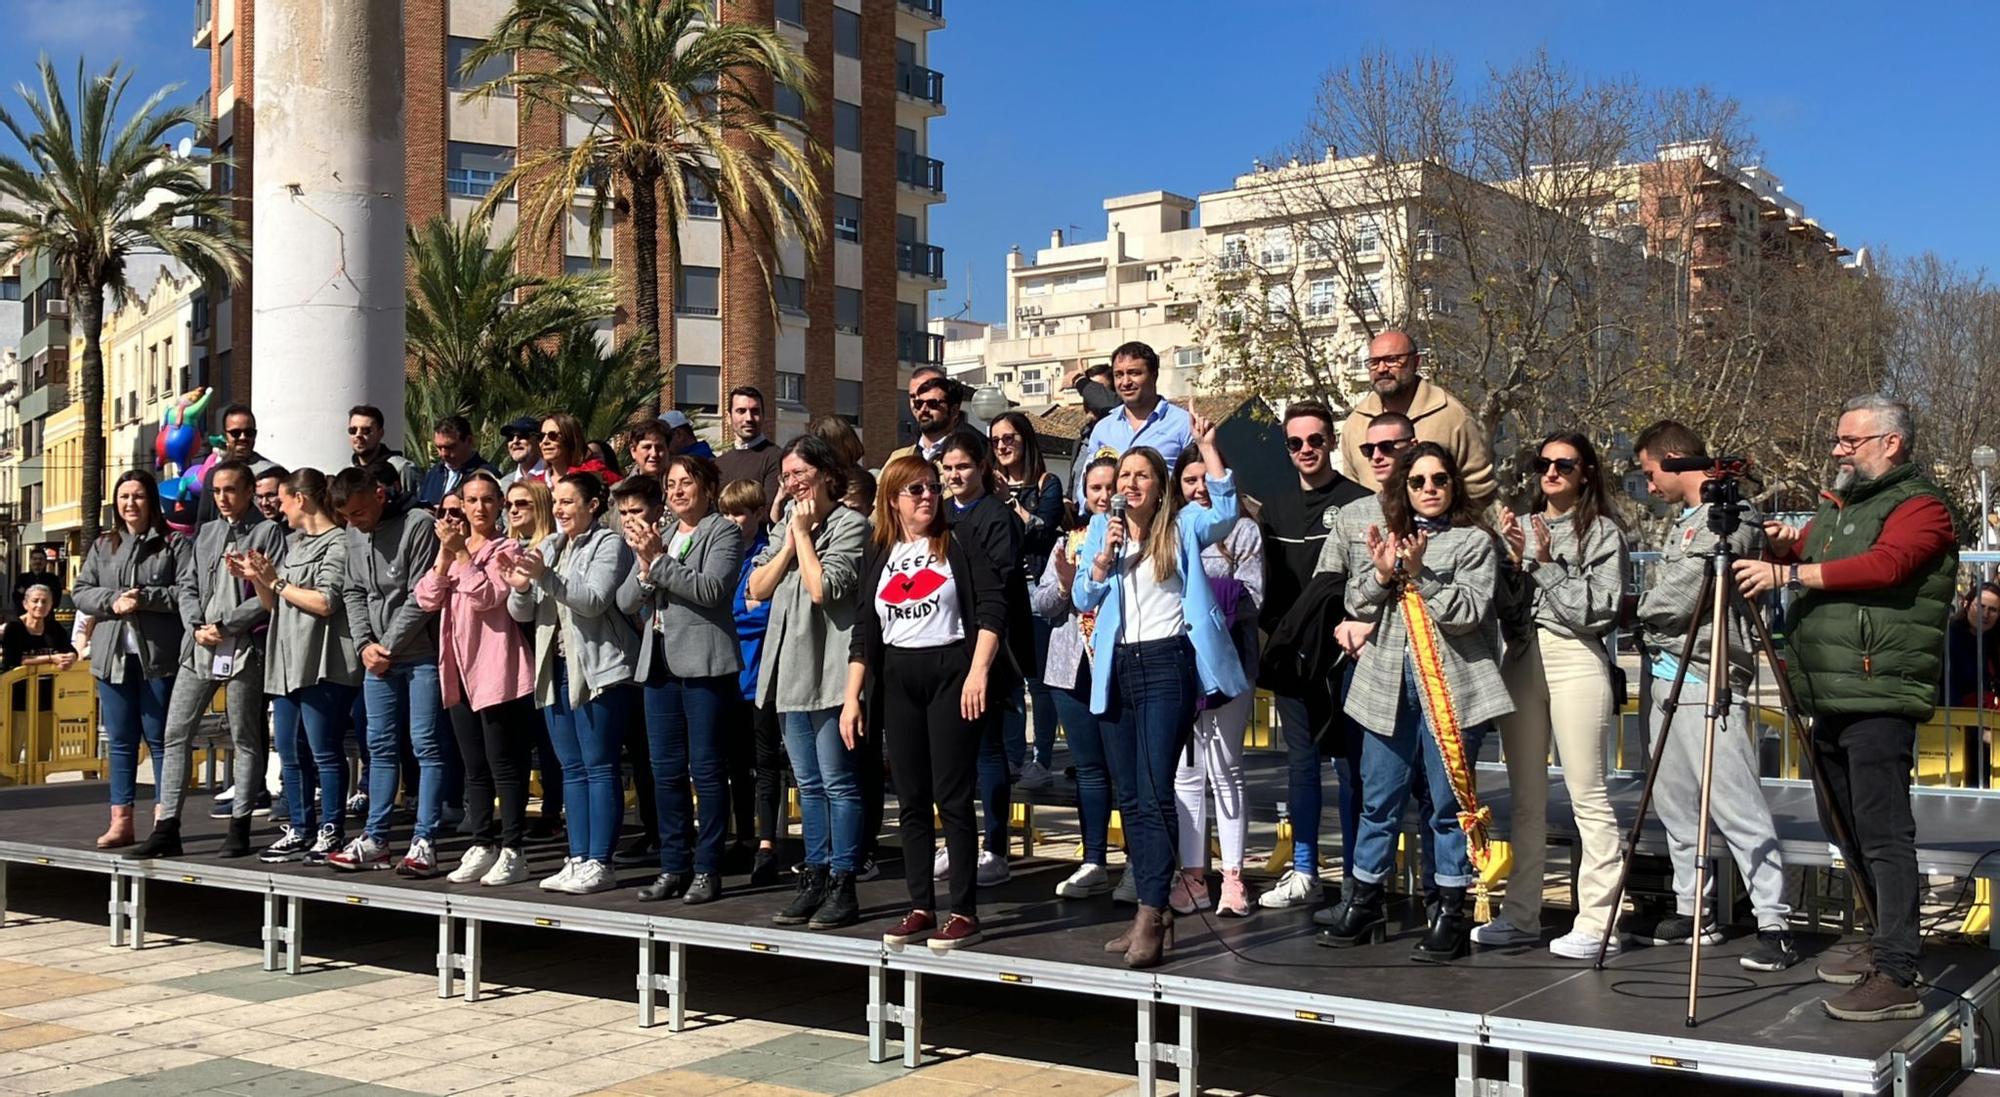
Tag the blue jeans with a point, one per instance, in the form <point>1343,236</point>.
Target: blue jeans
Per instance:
<point>829,789</point>
<point>130,711</point>
<point>1304,796</point>
<point>685,736</point>
<point>320,712</point>
<point>1150,716</point>
<point>410,694</point>
<point>996,788</point>
<point>586,740</point>
<point>1015,716</point>
<point>1093,778</point>
<point>1388,765</point>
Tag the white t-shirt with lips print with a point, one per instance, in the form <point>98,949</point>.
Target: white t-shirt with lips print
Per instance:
<point>917,600</point>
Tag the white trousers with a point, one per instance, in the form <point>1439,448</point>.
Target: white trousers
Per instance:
<point>1217,769</point>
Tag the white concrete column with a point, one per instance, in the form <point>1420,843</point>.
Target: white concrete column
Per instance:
<point>327,228</point>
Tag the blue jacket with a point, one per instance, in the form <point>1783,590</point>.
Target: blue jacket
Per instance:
<point>750,623</point>
<point>1214,651</point>
<point>431,489</point>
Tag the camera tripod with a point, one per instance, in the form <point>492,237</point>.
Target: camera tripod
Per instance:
<point>1719,593</point>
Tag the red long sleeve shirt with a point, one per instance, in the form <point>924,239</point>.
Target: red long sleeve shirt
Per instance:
<point>1912,536</point>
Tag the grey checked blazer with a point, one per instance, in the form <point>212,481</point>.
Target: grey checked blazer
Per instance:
<point>580,598</point>
<point>690,596</point>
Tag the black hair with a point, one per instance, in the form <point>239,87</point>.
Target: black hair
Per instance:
<point>350,482</point>
<point>372,412</point>
<point>819,453</point>
<point>643,488</point>
<point>1140,351</point>
<point>752,391</point>
<point>241,468</point>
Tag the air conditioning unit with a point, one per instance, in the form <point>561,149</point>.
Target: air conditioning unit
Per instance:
<point>58,307</point>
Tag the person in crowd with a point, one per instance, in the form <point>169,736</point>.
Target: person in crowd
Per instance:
<point>1668,608</point>
<point>457,459</point>
<point>1041,503</point>
<point>860,497</point>
<point>1213,766</point>
<point>1067,674</point>
<point>48,574</point>
<point>1973,651</point>
<point>929,640</point>
<point>936,402</point>
<point>1424,678</point>
<point>388,546</point>
<point>268,503</point>
<point>1159,644</point>
<point>531,520</point>
<point>34,639</point>
<point>366,427</point>
<point>751,455</point>
<point>681,437</point>
<point>522,437</point>
<point>988,522</point>
<point>239,443</point>
<point>1873,572</point>
<point>808,575</point>
<point>649,449</point>
<point>564,451</point>
<point>837,432</point>
<point>586,661</point>
<point>1563,580</point>
<point>484,674</point>
<point>127,584</point>
<point>1438,416</point>
<point>602,452</point>
<point>762,752</point>
<point>1294,524</point>
<point>679,593</point>
<point>222,648</point>
<point>1093,387</point>
<point>312,669</point>
<point>1144,417</point>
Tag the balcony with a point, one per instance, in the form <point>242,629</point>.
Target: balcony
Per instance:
<point>919,83</point>
<point>44,401</point>
<point>931,11</point>
<point>1230,262</point>
<point>920,173</point>
<point>919,348</point>
<point>204,22</point>
<point>923,261</point>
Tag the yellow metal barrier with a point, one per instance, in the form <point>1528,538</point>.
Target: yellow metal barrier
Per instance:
<point>17,751</point>
<point>48,724</point>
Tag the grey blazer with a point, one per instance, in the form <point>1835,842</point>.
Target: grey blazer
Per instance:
<point>580,598</point>
<point>195,590</point>
<point>1458,580</point>
<point>804,663</point>
<point>689,596</point>
<point>152,564</point>
<point>1576,594</point>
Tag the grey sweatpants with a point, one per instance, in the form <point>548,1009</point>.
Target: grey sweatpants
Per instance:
<point>1736,803</point>
<point>243,702</point>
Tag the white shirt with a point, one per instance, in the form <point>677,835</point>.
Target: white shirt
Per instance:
<point>1151,609</point>
<point>917,599</point>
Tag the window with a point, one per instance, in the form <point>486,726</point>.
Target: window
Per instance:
<point>1368,294</point>
<point>10,288</point>
<point>1278,302</point>
<point>1183,312</point>
<point>582,264</point>
<point>847,400</point>
<point>791,11</point>
<point>846,33</point>
<point>1668,206</point>
<point>1320,297</point>
<point>224,171</point>
<point>472,171</point>
<point>1315,248</point>
<point>696,388</point>
<point>791,293</point>
<point>701,200</point>
<point>1235,251</point>
<point>1277,251</point>
<point>1628,208</point>
<point>1037,288</point>
<point>1187,357</point>
<point>846,126</point>
<point>697,291</point>
<point>847,310</point>
<point>458,50</point>
<point>787,101</point>
<point>226,63</point>
<point>1367,236</point>
<point>847,218</point>
<point>791,388</point>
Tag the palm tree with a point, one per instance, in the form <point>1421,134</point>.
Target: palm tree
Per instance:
<point>91,194</point>
<point>607,389</point>
<point>681,116</point>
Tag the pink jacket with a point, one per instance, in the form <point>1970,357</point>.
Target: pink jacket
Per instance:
<point>480,641</point>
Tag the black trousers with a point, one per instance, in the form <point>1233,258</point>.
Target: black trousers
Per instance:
<point>495,743</point>
<point>639,766</point>
<point>1865,763</point>
<point>769,763</point>
<point>934,753</point>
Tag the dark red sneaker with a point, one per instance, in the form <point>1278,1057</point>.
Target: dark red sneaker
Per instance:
<point>958,932</point>
<point>914,924</point>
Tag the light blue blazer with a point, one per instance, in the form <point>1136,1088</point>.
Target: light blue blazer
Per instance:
<point>1214,652</point>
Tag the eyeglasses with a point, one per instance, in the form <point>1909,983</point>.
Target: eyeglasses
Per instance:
<point>1438,482</point>
<point>241,433</point>
<point>1310,441</point>
<point>1386,449</point>
<point>1565,465</point>
<point>453,514</point>
<point>921,488</point>
<point>1005,440</point>
<point>924,405</point>
<point>552,436</point>
<point>356,432</point>
<point>519,504</point>
<point>1843,442</point>
<point>1390,359</point>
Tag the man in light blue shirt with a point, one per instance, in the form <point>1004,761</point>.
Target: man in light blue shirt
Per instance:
<point>1145,418</point>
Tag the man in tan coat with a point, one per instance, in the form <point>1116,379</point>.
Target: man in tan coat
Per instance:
<point>1393,361</point>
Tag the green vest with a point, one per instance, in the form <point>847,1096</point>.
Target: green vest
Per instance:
<point>1870,652</point>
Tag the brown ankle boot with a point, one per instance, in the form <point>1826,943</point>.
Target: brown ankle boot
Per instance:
<point>1152,936</point>
<point>1123,941</point>
<point>120,832</point>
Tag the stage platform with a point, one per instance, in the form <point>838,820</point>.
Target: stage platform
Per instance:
<point>1495,1012</point>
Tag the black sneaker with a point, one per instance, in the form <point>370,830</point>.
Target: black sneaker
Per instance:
<point>1773,951</point>
<point>811,893</point>
<point>330,841</point>
<point>1674,929</point>
<point>867,869</point>
<point>290,846</point>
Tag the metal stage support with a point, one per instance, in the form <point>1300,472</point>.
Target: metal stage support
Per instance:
<point>1471,1084</point>
<point>451,962</point>
<point>909,1016</point>
<point>282,932</point>
<point>128,910</point>
<point>651,983</point>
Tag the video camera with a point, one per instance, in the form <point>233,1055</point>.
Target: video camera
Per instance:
<point>1722,491</point>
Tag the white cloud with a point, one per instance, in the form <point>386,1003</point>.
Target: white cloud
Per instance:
<point>57,26</point>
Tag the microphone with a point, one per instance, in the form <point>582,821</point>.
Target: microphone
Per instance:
<point>1118,508</point>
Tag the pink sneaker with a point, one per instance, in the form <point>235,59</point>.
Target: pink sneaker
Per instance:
<point>1235,901</point>
<point>1190,892</point>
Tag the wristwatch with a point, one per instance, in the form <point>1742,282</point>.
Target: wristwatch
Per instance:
<point>279,584</point>
<point>1792,582</point>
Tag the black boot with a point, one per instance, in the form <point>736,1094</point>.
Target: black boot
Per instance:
<point>706,887</point>
<point>667,885</point>
<point>1358,919</point>
<point>812,892</point>
<point>764,868</point>
<point>1450,937</point>
<point>840,908</point>
<point>165,841</point>
<point>237,844</point>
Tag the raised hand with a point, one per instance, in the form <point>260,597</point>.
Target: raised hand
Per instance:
<point>1382,550</point>
<point>1512,534</point>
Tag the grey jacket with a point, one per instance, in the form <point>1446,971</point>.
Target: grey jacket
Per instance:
<point>579,599</point>
<point>1240,556</point>
<point>152,564</point>
<point>1457,582</point>
<point>1067,646</point>
<point>1671,601</point>
<point>383,567</point>
<point>1576,594</point>
<point>195,592</point>
<point>303,649</point>
<point>689,595</point>
<point>804,665</point>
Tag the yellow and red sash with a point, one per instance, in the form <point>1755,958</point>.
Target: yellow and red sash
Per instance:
<point>1442,715</point>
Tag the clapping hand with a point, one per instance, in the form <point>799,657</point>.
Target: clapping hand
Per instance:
<point>450,536</point>
<point>1513,534</point>
<point>125,603</point>
<point>524,570</point>
<point>644,538</point>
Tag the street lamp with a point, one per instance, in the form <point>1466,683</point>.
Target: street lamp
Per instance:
<point>989,403</point>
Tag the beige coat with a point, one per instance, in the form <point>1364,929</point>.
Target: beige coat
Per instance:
<point>1439,418</point>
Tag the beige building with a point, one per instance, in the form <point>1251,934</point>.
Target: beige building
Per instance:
<point>148,362</point>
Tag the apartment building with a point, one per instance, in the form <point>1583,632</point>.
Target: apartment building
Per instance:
<point>43,388</point>
<point>841,338</point>
<point>149,361</point>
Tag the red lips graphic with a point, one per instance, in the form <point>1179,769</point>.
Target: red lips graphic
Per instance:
<point>913,587</point>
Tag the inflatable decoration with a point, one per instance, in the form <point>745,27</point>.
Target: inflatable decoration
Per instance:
<point>184,456</point>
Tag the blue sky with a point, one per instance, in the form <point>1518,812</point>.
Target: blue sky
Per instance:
<point>1879,117</point>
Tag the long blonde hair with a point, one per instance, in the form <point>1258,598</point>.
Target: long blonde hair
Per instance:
<point>1162,540</point>
<point>542,507</point>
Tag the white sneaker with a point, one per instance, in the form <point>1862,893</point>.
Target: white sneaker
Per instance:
<point>591,877</point>
<point>560,881</point>
<point>1127,891</point>
<point>1035,777</point>
<point>1294,889</point>
<point>941,863</point>
<point>1578,945</point>
<point>1086,881</point>
<point>993,869</point>
<point>508,868</point>
<point>1501,933</point>
<point>474,864</point>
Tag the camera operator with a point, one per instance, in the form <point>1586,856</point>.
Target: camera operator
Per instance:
<point>1670,606</point>
<point>1873,573</point>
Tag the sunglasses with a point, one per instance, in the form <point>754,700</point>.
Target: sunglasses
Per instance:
<point>354,432</point>
<point>931,405</point>
<point>1005,440</point>
<point>552,436</point>
<point>1439,482</point>
<point>1564,465</point>
<point>519,504</point>
<point>241,433</point>
<point>1386,449</point>
<point>453,514</point>
<point>1310,441</point>
<point>921,488</point>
